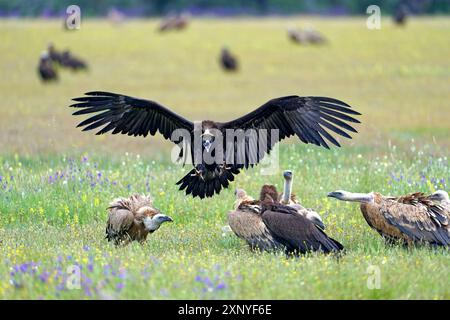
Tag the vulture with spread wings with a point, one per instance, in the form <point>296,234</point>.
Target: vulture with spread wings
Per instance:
<point>219,150</point>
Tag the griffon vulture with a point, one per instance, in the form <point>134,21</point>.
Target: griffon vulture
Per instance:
<point>246,223</point>
<point>268,225</point>
<point>219,150</point>
<point>45,69</point>
<point>132,219</point>
<point>288,198</point>
<point>177,22</point>
<point>228,61</point>
<point>409,219</point>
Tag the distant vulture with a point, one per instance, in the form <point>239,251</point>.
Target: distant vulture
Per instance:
<point>296,35</point>
<point>228,61</point>
<point>55,55</point>
<point>288,198</point>
<point>272,225</point>
<point>308,35</point>
<point>132,219</point>
<point>46,69</point>
<point>72,62</point>
<point>409,219</point>
<point>177,22</point>
<point>442,198</point>
<point>400,14</point>
<point>219,150</point>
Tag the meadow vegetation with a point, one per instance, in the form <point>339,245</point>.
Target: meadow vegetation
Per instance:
<point>56,182</point>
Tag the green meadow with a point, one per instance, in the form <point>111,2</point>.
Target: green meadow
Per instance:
<point>56,181</point>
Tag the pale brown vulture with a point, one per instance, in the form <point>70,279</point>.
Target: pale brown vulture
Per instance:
<point>305,36</point>
<point>409,219</point>
<point>219,150</point>
<point>246,223</point>
<point>177,22</point>
<point>269,225</point>
<point>288,198</point>
<point>228,61</point>
<point>132,219</point>
<point>46,70</point>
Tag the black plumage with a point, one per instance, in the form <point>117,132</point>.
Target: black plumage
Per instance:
<point>228,61</point>
<point>46,69</point>
<point>70,61</point>
<point>309,118</point>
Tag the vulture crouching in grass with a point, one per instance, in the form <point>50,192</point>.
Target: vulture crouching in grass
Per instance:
<point>132,219</point>
<point>410,219</point>
<point>228,61</point>
<point>219,150</point>
<point>288,198</point>
<point>269,225</point>
<point>46,70</point>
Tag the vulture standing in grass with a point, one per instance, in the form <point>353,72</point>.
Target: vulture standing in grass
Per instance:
<point>288,198</point>
<point>132,219</point>
<point>442,198</point>
<point>70,61</point>
<point>409,219</point>
<point>246,223</point>
<point>228,61</point>
<point>400,14</point>
<point>219,150</point>
<point>268,225</point>
<point>46,70</point>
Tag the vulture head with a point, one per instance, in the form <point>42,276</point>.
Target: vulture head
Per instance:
<point>152,218</point>
<point>241,195</point>
<point>439,196</point>
<point>350,196</point>
<point>268,193</point>
<point>44,56</point>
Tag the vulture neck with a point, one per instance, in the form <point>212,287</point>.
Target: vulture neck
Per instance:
<point>360,197</point>
<point>287,191</point>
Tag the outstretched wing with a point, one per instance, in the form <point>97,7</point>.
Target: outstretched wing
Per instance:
<point>128,115</point>
<point>418,220</point>
<point>298,234</point>
<point>309,118</point>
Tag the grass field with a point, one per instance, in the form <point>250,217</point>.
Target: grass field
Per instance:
<point>55,182</point>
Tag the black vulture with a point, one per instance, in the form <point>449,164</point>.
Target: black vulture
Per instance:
<point>228,61</point>
<point>219,150</point>
<point>46,70</point>
<point>70,61</point>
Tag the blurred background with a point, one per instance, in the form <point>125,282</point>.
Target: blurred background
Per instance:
<point>51,8</point>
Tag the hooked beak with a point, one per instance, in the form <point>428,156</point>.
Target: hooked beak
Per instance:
<point>287,174</point>
<point>331,195</point>
<point>167,219</point>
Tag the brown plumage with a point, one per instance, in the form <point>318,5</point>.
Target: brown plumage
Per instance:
<point>442,198</point>
<point>132,219</point>
<point>46,69</point>
<point>246,223</point>
<point>269,225</point>
<point>409,219</point>
<point>228,61</point>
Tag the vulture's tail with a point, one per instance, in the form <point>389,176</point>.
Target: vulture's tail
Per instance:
<point>206,187</point>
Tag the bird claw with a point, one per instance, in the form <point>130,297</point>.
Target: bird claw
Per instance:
<point>198,173</point>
